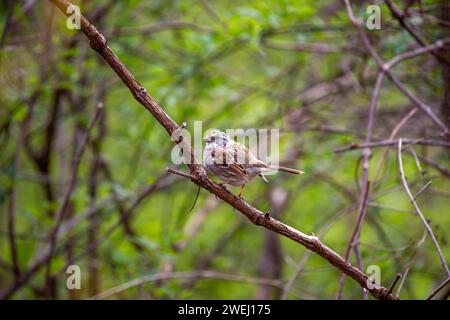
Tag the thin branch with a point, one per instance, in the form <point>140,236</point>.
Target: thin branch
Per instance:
<point>402,282</point>
<point>385,68</point>
<point>301,264</point>
<point>180,173</point>
<point>214,16</point>
<point>419,212</point>
<point>422,189</point>
<point>186,275</point>
<point>398,277</point>
<point>8,22</point>
<point>194,224</point>
<point>157,27</point>
<point>398,14</point>
<point>442,169</point>
<point>389,142</point>
<point>413,53</point>
<point>59,216</point>
<point>128,229</point>
<point>439,288</point>
<point>12,196</point>
<point>206,260</point>
<point>394,132</point>
<point>318,48</point>
<point>355,236</point>
<point>365,184</point>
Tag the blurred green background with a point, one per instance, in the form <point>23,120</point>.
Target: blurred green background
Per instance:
<point>293,65</point>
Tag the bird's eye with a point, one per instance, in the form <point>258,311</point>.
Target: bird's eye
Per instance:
<point>213,138</point>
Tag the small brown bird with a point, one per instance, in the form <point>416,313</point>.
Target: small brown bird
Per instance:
<point>234,163</point>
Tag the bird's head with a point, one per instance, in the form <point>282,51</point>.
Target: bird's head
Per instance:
<point>217,137</point>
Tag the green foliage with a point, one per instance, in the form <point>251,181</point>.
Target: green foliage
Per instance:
<point>220,69</point>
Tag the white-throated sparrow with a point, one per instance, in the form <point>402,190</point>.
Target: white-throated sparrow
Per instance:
<point>234,163</point>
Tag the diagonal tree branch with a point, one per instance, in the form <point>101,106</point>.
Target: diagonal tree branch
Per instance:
<point>198,174</point>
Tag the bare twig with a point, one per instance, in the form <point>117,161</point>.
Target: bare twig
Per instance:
<point>386,69</point>
<point>121,207</point>
<point>214,16</point>
<point>354,240</point>
<point>389,142</point>
<point>398,277</point>
<point>365,183</point>
<point>196,222</point>
<point>12,196</point>
<point>301,264</point>
<point>419,212</point>
<point>318,48</point>
<point>180,173</point>
<point>186,275</point>
<point>398,14</point>
<point>413,53</point>
<point>439,288</point>
<point>422,189</point>
<point>394,132</point>
<point>157,27</point>
<point>206,260</point>
<point>402,282</point>
<point>8,22</point>
<point>59,217</point>
<point>442,169</point>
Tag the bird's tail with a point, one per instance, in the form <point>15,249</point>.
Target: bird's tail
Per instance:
<point>288,170</point>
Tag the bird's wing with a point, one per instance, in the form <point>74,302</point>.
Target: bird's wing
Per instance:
<point>229,158</point>
<point>250,160</point>
<point>237,158</point>
<point>237,169</point>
